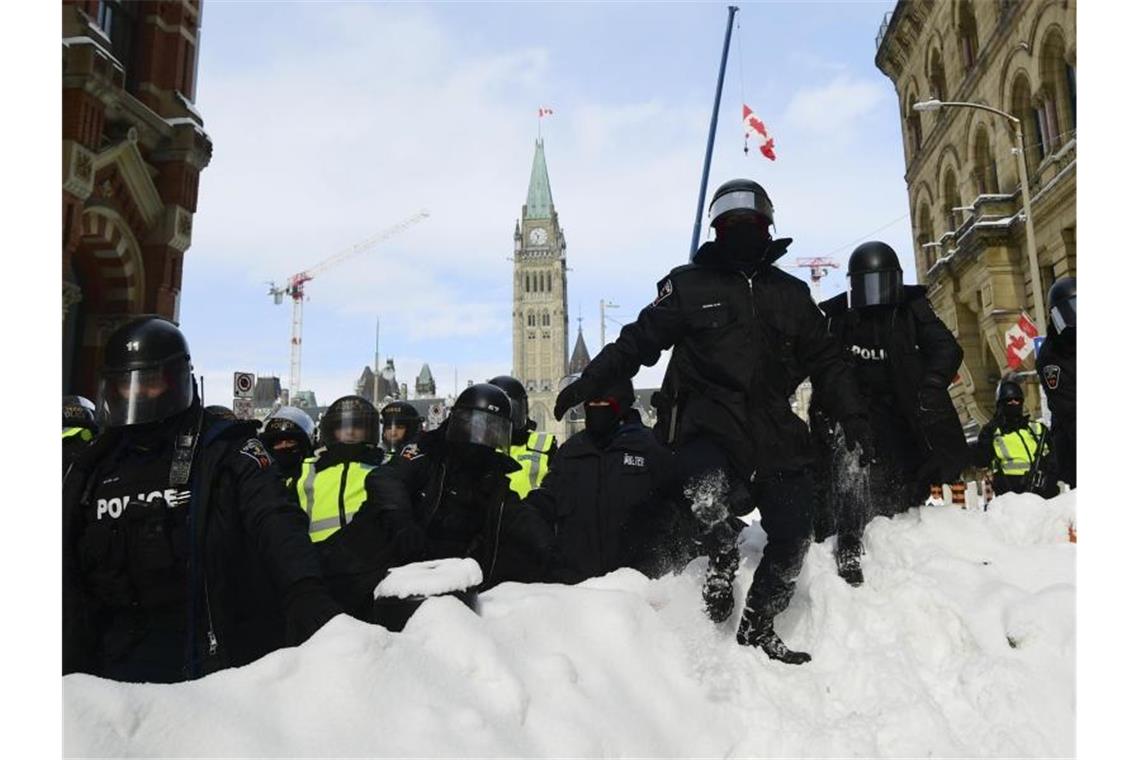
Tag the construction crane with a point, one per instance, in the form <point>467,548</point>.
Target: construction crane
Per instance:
<point>295,289</point>
<point>818,265</point>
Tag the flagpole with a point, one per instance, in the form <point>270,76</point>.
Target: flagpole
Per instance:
<point>732,9</point>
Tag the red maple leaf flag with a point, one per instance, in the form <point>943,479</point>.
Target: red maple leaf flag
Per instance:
<point>1019,341</point>
<point>544,111</point>
<point>753,126</point>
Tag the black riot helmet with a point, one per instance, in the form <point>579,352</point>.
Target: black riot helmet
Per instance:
<point>399,413</point>
<point>146,373</point>
<point>1009,393</point>
<point>743,197</point>
<point>79,412</point>
<point>520,406</point>
<point>1063,304</point>
<point>481,415</point>
<point>874,276</point>
<point>222,412</point>
<point>350,419</point>
<point>289,422</point>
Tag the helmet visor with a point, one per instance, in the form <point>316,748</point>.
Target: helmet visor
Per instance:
<point>739,200</point>
<point>138,396</point>
<point>520,413</point>
<point>874,288</point>
<point>479,427</point>
<point>351,425</point>
<point>1064,314</point>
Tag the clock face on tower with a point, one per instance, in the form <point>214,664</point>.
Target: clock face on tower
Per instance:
<point>537,236</point>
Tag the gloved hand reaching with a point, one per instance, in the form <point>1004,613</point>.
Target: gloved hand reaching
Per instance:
<point>857,431</point>
<point>577,392</point>
<point>308,606</point>
<point>409,537</point>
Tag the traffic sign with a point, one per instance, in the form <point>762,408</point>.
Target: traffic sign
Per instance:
<point>243,384</point>
<point>243,408</point>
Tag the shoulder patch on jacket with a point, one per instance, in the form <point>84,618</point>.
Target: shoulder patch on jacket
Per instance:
<point>664,290</point>
<point>255,450</point>
<point>1052,375</point>
<point>411,451</point>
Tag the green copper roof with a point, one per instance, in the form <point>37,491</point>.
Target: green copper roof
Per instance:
<point>539,204</point>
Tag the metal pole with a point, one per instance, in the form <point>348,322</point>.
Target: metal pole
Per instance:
<point>1030,238</point>
<point>732,9</point>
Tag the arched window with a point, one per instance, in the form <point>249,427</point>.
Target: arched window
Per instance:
<point>1022,108</point>
<point>927,255</point>
<point>530,319</point>
<point>548,288</point>
<point>1057,99</point>
<point>527,278</point>
<point>913,125</point>
<point>985,168</point>
<point>950,199</point>
<point>546,319</point>
<point>967,35</point>
<point>937,76</point>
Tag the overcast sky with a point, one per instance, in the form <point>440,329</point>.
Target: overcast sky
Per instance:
<point>332,121</point>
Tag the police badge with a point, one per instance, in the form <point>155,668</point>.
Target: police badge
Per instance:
<point>1052,375</point>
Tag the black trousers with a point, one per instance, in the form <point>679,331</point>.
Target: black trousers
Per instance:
<point>785,503</point>
<point>1065,450</point>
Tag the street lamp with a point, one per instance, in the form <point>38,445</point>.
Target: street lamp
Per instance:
<point>602,306</point>
<point>1023,172</point>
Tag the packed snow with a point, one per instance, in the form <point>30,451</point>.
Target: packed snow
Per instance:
<point>435,576</point>
<point>960,643</point>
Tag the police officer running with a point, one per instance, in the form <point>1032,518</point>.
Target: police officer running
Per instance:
<point>330,486</point>
<point>904,359</point>
<point>400,425</point>
<point>288,434</point>
<point>744,334</point>
<point>530,449</point>
<point>1016,448</point>
<point>1057,368</point>
<point>182,552</point>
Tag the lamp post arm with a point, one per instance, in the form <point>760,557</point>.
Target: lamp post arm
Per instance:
<point>980,106</point>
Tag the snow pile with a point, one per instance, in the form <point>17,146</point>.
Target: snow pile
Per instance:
<point>960,643</point>
<point>435,576</point>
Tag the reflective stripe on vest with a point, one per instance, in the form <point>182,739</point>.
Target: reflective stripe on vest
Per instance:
<point>1014,451</point>
<point>322,497</point>
<point>83,433</point>
<point>534,457</point>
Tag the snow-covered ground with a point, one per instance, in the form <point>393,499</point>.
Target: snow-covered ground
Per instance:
<point>961,643</point>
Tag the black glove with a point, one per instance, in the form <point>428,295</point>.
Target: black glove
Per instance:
<point>409,538</point>
<point>933,401</point>
<point>573,394</point>
<point>308,606</point>
<point>857,430</point>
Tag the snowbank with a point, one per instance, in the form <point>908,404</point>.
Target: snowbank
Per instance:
<point>961,643</point>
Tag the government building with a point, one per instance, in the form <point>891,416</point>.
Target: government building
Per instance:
<point>962,178</point>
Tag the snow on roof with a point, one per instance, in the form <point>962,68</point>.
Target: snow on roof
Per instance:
<point>961,643</point>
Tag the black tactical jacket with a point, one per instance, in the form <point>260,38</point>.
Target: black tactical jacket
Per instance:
<point>742,342</point>
<point>609,507</point>
<point>1057,369</point>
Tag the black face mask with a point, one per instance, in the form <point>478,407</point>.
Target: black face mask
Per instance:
<point>288,459</point>
<point>601,422</point>
<point>347,452</point>
<point>1010,413</point>
<point>743,243</point>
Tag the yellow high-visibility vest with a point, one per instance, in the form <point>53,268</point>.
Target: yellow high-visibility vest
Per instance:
<point>82,432</point>
<point>325,495</point>
<point>534,456</point>
<point>1014,451</point>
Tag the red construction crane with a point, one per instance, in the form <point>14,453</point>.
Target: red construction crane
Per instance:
<point>295,289</point>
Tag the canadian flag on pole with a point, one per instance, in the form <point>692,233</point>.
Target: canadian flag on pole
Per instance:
<point>544,111</point>
<point>1019,341</point>
<point>753,126</point>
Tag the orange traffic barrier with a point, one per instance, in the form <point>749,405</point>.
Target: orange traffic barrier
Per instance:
<point>936,492</point>
<point>1072,534</point>
<point>958,494</point>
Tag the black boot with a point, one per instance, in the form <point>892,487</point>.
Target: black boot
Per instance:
<point>847,561</point>
<point>757,631</point>
<point>717,592</point>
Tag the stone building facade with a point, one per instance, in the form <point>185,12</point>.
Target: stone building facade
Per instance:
<point>1018,56</point>
<point>539,317</point>
<point>133,147</point>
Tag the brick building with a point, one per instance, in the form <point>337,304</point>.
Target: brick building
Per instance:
<point>1020,57</point>
<point>133,147</point>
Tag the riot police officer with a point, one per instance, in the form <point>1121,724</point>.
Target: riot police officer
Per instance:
<point>532,450</point>
<point>1057,368</point>
<point>744,334</point>
<point>904,359</point>
<point>182,552</point>
<point>1016,449</point>
<point>288,434</point>
<point>330,486</point>
<point>400,425</point>
<point>79,427</point>
<point>609,495</point>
